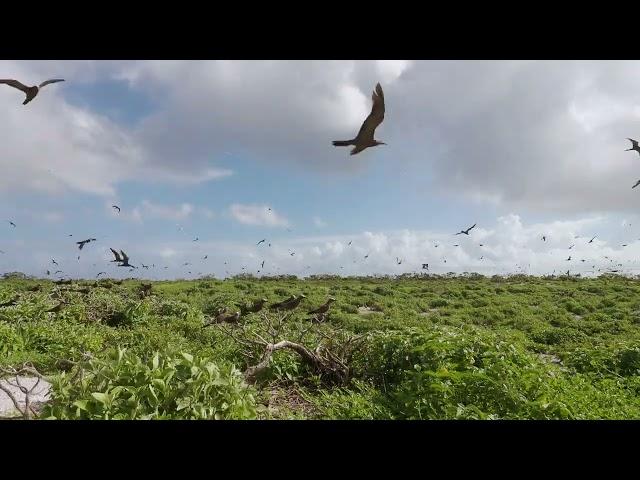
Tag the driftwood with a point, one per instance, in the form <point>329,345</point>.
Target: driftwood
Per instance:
<point>28,411</point>
<point>328,358</point>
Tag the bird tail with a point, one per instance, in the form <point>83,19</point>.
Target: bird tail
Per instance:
<point>342,143</point>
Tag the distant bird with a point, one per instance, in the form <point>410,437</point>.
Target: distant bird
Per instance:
<point>116,207</point>
<point>289,304</point>
<point>466,232</point>
<point>196,239</point>
<point>205,257</point>
<point>324,308</point>
<point>30,92</point>
<point>544,239</point>
<point>634,144</point>
<point>349,244</point>
<point>365,139</point>
<point>48,272</point>
<point>583,260</point>
<point>262,264</point>
<point>84,242</point>
<point>568,258</point>
<point>144,266</point>
<point>57,308</point>
<point>261,241</point>
<point>571,246</point>
<point>54,261</point>
<point>185,264</point>
<point>590,241</point>
<point>101,273</point>
<point>292,253</point>
<point>624,245</point>
<point>398,261</point>
<point>269,244</point>
<point>425,266</point>
<point>456,245</point>
<point>366,256</point>
<point>2,251</point>
<point>482,244</point>
<point>78,257</point>
<point>637,183</point>
<point>12,224</point>
<point>222,317</point>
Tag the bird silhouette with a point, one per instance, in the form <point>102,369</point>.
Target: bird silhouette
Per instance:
<point>262,264</point>
<point>261,241</point>
<point>349,244</point>
<point>634,146</point>
<point>205,257</point>
<point>196,239</point>
<point>117,255</point>
<point>568,258</point>
<point>571,246</point>
<point>466,232</point>
<point>398,261</point>
<point>366,256</point>
<point>116,207</point>
<point>54,261</point>
<point>101,273</point>
<point>544,239</point>
<point>425,266</point>
<point>84,242</point>
<point>637,183</point>
<point>591,241</point>
<point>125,260</point>
<point>365,139</point>
<point>323,308</point>
<point>12,224</point>
<point>289,304</point>
<point>253,308</point>
<point>30,92</point>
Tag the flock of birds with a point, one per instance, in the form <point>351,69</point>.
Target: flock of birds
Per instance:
<point>363,140</point>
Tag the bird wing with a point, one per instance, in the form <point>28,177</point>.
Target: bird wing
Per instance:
<point>375,118</point>
<point>633,142</point>
<point>117,255</point>
<point>474,226</point>
<point>53,80</point>
<point>15,84</point>
<point>125,258</point>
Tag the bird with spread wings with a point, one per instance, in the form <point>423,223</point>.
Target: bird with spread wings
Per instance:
<point>30,92</point>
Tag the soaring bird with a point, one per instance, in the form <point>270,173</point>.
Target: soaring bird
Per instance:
<point>30,92</point>
<point>12,224</point>
<point>324,308</point>
<point>571,246</point>
<point>116,207</point>
<point>398,261</point>
<point>637,183</point>
<point>366,256</point>
<point>364,139</point>
<point>54,261</point>
<point>205,257</point>
<point>466,232</point>
<point>634,144</point>
<point>144,266</point>
<point>196,239</point>
<point>125,260</point>
<point>117,255</point>
<point>48,272</point>
<point>2,251</point>
<point>425,266</point>
<point>544,239</point>
<point>568,258</point>
<point>84,242</point>
<point>590,241</point>
<point>261,241</point>
<point>262,264</point>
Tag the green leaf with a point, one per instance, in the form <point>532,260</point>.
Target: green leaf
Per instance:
<point>188,357</point>
<point>156,361</point>
<point>81,404</point>
<point>101,397</point>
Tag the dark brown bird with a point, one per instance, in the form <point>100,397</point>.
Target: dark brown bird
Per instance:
<point>125,260</point>
<point>30,92</point>
<point>84,242</point>
<point>254,308</point>
<point>323,308</point>
<point>288,304</point>
<point>365,139</point>
<point>116,254</point>
<point>634,146</point>
<point>223,317</point>
<point>466,232</point>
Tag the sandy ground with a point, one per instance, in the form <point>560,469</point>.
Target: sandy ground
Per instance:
<point>39,395</point>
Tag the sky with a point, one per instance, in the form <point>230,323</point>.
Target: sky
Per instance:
<point>207,158</point>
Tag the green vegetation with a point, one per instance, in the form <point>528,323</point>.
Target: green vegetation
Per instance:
<point>423,348</point>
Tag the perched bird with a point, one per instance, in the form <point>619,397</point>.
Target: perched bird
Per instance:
<point>466,232</point>
<point>254,308</point>
<point>57,308</point>
<point>84,242</point>
<point>637,183</point>
<point>116,207</point>
<point>12,224</point>
<point>365,139</point>
<point>324,308</point>
<point>590,241</point>
<point>289,304</point>
<point>222,316</point>
<point>634,146</point>
<point>261,241</point>
<point>30,92</point>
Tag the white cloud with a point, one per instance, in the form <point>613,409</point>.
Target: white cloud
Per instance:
<point>257,215</point>
<point>148,209</point>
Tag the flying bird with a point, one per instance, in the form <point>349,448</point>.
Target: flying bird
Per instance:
<point>125,260</point>
<point>117,255</point>
<point>398,261</point>
<point>366,256</point>
<point>54,262</point>
<point>205,257</point>
<point>116,207</point>
<point>568,258</point>
<point>48,272</point>
<point>637,183</point>
<point>365,139</point>
<point>101,273</point>
<point>634,146</point>
<point>196,239</point>
<point>262,264</point>
<point>84,242</point>
<point>30,92</point>
<point>261,241</point>
<point>12,224</point>
<point>544,239</point>
<point>571,246</point>
<point>466,232</point>
<point>425,266</point>
<point>144,266</point>
<point>590,241</point>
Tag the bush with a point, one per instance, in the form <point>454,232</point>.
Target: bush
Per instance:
<point>123,386</point>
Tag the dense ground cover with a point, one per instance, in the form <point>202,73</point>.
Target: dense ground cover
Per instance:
<point>423,348</point>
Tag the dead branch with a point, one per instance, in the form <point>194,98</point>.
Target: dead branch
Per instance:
<point>27,412</point>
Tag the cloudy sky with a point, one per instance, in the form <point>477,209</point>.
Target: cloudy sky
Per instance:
<point>233,152</point>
